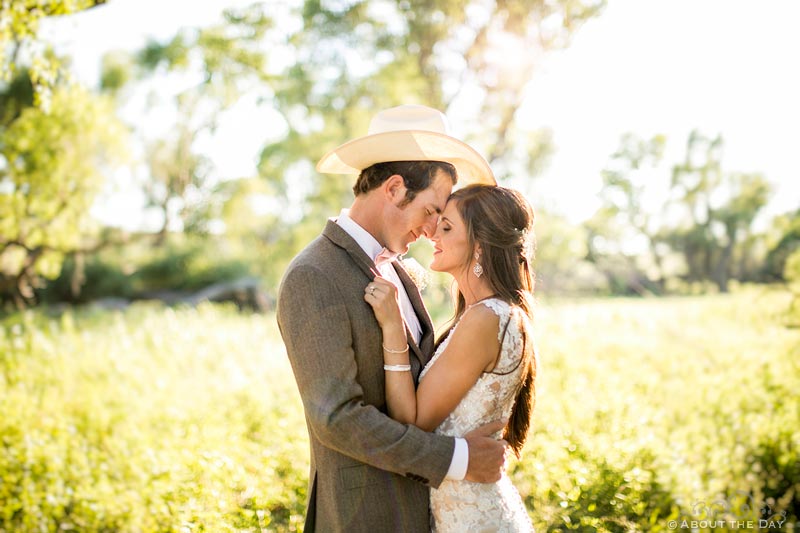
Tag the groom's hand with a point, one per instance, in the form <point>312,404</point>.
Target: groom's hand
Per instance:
<point>487,455</point>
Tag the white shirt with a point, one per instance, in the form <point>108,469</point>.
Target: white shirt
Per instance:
<point>368,243</point>
<point>372,248</point>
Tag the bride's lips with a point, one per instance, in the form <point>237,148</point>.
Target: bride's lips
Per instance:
<point>437,251</point>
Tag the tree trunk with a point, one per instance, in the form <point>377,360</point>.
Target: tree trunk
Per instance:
<point>161,237</point>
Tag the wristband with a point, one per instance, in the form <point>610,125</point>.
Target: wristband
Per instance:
<point>397,368</point>
<point>387,350</point>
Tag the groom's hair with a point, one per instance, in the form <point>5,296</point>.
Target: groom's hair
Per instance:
<point>417,176</point>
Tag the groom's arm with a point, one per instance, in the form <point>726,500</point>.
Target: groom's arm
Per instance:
<point>316,329</point>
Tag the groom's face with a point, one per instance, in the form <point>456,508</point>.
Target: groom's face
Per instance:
<point>419,217</point>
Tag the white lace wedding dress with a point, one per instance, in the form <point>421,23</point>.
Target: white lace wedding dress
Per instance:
<point>464,506</point>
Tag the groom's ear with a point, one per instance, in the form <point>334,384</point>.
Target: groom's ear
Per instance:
<point>394,189</point>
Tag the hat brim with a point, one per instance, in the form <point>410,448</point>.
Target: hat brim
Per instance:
<point>408,145</point>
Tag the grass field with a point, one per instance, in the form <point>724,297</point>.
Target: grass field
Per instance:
<point>157,419</point>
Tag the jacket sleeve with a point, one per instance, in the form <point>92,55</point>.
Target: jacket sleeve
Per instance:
<point>316,330</point>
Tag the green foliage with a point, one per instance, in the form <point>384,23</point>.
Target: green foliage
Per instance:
<point>227,61</point>
<point>625,217</point>
<point>20,26</point>
<point>155,420</point>
<point>713,230</point>
<point>15,98</point>
<point>776,464</point>
<point>560,261</point>
<point>190,267</point>
<point>188,420</point>
<point>353,59</point>
<point>51,172</point>
<point>787,241</point>
<point>649,392</point>
<point>654,232</point>
<point>116,71</point>
<point>791,273</point>
<point>137,270</point>
<point>96,278</point>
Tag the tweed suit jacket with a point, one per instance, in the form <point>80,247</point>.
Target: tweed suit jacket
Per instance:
<point>368,472</point>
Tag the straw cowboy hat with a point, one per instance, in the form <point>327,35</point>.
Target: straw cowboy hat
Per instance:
<point>408,133</point>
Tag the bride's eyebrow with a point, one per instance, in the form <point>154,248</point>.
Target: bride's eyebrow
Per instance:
<point>444,219</point>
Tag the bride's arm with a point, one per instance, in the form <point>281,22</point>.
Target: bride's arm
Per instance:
<point>472,348</point>
<point>400,391</point>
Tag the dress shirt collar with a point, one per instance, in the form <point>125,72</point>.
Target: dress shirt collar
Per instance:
<point>363,238</point>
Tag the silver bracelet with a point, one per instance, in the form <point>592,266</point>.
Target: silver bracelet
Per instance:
<point>397,368</point>
<point>387,350</point>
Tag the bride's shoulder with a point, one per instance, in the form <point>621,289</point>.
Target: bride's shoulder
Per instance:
<point>478,318</point>
<point>496,306</point>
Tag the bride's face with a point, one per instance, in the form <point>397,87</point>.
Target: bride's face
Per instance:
<point>452,252</point>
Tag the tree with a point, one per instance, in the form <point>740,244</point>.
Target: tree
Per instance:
<point>20,25</point>
<point>176,170</point>
<point>625,226</point>
<point>51,168</point>
<point>221,63</point>
<point>649,216</point>
<point>786,241</point>
<point>326,68</point>
<point>791,274</point>
<point>561,264</point>
<point>350,59</point>
<point>720,208</point>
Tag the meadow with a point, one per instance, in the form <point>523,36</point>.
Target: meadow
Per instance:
<point>652,415</point>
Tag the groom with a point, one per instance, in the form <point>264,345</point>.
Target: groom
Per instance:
<point>368,472</point>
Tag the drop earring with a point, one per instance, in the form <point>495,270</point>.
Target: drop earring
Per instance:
<point>477,269</point>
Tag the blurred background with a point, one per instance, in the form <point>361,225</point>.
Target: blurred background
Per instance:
<point>157,176</point>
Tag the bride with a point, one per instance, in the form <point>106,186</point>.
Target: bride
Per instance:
<point>484,367</point>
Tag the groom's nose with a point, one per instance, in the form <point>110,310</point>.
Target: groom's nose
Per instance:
<point>429,228</point>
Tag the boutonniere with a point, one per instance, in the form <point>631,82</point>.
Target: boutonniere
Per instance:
<point>418,273</point>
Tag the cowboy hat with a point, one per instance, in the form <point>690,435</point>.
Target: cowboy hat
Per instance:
<point>408,133</point>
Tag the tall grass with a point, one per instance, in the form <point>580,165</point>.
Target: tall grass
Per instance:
<point>654,409</point>
<point>149,420</point>
<point>158,419</point>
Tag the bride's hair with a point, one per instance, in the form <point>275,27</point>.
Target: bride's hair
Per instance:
<point>500,220</point>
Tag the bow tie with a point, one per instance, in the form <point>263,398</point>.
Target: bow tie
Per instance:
<point>385,256</point>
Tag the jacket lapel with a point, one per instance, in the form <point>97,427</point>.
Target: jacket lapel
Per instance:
<point>342,239</point>
<point>424,350</point>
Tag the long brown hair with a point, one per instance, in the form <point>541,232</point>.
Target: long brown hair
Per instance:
<point>500,220</point>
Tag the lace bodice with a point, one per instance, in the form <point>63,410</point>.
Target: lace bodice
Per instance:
<point>492,396</point>
<point>458,506</point>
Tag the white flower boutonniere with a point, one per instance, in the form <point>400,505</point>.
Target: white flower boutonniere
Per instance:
<point>418,273</point>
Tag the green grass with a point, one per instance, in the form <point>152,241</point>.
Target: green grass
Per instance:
<point>151,420</point>
<point>158,419</point>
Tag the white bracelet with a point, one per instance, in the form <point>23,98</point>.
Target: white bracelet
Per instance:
<point>397,368</point>
<point>387,350</point>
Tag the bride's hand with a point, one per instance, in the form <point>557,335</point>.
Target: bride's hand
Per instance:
<point>381,294</point>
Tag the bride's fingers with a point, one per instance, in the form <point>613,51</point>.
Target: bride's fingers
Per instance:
<point>373,289</point>
<point>383,283</point>
<point>375,296</point>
